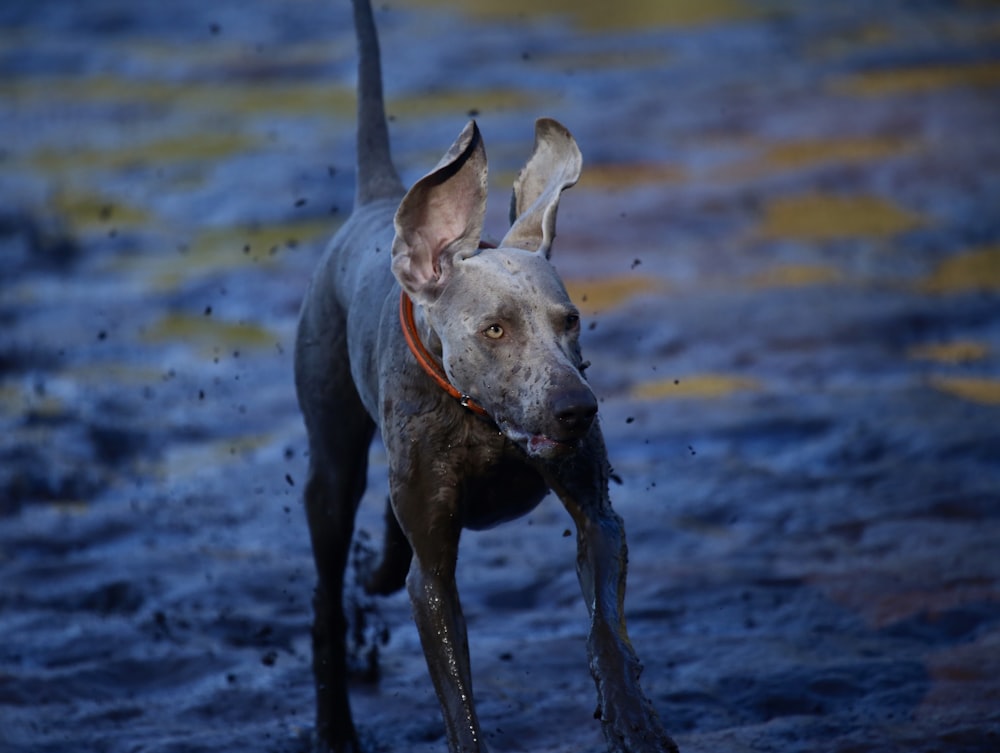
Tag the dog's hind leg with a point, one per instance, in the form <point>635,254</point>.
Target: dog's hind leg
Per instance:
<point>339,434</point>
<point>335,485</point>
<point>389,575</point>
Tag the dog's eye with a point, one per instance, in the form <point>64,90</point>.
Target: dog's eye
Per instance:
<point>494,332</point>
<point>572,321</point>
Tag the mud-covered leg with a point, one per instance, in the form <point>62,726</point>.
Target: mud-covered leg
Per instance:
<point>429,519</point>
<point>390,574</point>
<point>629,722</point>
<point>332,492</point>
<point>339,434</point>
<point>331,526</point>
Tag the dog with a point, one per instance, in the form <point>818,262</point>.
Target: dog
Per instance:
<point>467,360</point>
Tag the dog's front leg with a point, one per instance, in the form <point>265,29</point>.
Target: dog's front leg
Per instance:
<point>429,517</point>
<point>629,722</point>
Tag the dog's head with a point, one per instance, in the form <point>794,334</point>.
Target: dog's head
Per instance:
<point>507,331</point>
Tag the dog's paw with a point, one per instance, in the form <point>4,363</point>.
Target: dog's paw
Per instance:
<point>367,629</point>
<point>349,746</point>
<point>635,729</point>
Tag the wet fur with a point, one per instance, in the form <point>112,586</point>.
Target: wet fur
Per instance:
<point>448,468</point>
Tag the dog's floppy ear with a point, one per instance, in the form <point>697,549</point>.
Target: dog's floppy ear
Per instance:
<point>440,219</point>
<point>553,167</point>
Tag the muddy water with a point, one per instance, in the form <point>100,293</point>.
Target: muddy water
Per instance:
<point>787,246</point>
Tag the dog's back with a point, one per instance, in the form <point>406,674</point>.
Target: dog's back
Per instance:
<point>358,255</point>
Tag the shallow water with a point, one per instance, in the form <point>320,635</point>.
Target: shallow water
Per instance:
<point>785,244</point>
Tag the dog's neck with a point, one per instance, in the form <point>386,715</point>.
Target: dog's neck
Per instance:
<point>430,363</point>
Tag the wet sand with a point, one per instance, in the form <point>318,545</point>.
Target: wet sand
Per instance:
<point>787,247</point>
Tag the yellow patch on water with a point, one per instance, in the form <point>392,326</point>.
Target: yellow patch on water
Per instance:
<point>186,461</point>
<point>197,147</point>
<point>219,249</point>
<point>622,176</point>
<point>821,217</point>
<point>17,400</point>
<point>598,295</point>
<point>796,276</point>
<point>12,398</point>
<point>231,99</point>
<point>209,334</point>
<point>318,100</point>
<point>695,386</point>
<point>958,352</point>
<point>794,154</point>
<point>841,43</point>
<point>596,15</point>
<point>216,245</point>
<point>971,271</point>
<point>918,79</point>
<point>230,55</point>
<point>91,211</point>
<point>974,389</point>
<point>70,507</point>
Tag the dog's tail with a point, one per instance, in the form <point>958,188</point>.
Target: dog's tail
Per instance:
<point>377,176</point>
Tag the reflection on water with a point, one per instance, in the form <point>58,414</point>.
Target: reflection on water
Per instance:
<point>593,296</point>
<point>961,351</point>
<point>811,153</point>
<point>796,275</point>
<point>823,217</point>
<point>698,386</point>
<point>966,272</point>
<point>920,78</point>
<point>594,15</point>
<point>975,389</point>
<point>208,334</point>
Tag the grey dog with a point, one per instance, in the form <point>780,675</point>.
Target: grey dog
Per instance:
<point>467,360</point>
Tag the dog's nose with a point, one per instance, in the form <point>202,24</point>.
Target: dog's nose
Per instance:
<point>575,411</point>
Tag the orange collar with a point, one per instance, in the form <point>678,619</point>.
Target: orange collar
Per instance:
<point>426,361</point>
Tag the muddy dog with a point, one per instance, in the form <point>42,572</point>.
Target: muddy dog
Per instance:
<point>467,360</point>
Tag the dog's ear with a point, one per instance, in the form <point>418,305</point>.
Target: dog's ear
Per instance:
<point>440,219</point>
<point>553,167</point>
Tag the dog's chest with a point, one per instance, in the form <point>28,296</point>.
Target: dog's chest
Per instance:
<point>497,484</point>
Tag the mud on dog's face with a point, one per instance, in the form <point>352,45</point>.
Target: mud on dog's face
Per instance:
<point>509,334</point>
<point>516,350</point>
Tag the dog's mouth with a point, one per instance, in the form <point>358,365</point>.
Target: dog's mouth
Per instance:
<point>540,446</point>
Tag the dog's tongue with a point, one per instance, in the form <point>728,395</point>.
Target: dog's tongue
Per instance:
<point>536,445</point>
<point>542,446</point>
